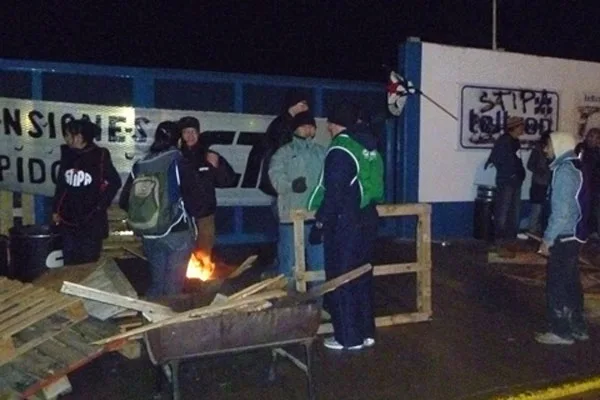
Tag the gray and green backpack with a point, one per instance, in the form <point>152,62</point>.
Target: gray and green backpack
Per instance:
<point>155,202</point>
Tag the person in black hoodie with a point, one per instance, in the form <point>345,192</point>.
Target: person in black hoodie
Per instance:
<point>87,183</point>
<point>214,166</point>
<point>346,219</point>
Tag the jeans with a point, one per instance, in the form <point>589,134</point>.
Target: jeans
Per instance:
<point>535,218</point>
<point>168,258</point>
<point>507,211</point>
<point>286,254</point>
<point>80,248</point>
<point>564,294</point>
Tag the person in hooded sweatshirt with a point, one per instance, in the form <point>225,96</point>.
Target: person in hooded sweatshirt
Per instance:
<point>294,172</point>
<point>87,183</point>
<point>215,167</point>
<point>350,186</point>
<point>168,252</point>
<point>567,230</point>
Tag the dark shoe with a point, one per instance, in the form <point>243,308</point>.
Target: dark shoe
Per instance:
<point>580,336</point>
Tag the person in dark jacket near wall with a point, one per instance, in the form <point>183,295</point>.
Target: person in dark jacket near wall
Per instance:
<point>589,152</point>
<point>505,156</point>
<point>214,166</point>
<point>346,218</point>
<point>86,185</point>
<point>541,175</point>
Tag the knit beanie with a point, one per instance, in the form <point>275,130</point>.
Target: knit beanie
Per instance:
<point>303,118</point>
<point>189,122</point>
<point>344,114</point>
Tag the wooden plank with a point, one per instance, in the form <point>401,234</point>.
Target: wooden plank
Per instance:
<point>153,310</point>
<point>21,295</point>
<point>16,379</point>
<point>394,269</point>
<point>28,206</point>
<point>198,313</point>
<point>300,258</point>
<point>244,266</point>
<point>60,351</point>
<point>424,261</point>
<point>42,311</point>
<point>257,287</point>
<point>521,258</point>
<point>76,341</point>
<point>107,277</point>
<point>16,306</point>
<point>6,206</point>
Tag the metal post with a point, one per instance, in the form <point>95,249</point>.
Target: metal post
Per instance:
<point>494,26</point>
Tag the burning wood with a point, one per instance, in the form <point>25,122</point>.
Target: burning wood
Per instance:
<point>200,266</point>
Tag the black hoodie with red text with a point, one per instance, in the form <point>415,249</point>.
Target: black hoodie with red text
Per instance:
<point>87,183</point>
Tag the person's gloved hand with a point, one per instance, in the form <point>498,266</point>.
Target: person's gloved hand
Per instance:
<point>316,234</point>
<point>299,185</point>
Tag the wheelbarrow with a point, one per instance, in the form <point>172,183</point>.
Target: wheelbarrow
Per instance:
<point>237,332</point>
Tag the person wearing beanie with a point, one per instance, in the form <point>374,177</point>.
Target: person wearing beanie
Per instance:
<point>510,173</point>
<point>212,164</point>
<point>168,251</point>
<point>567,230</point>
<point>346,219</point>
<point>280,132</point>
<point>294,171</point>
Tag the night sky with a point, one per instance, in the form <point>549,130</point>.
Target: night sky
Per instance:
<point>332,39</point>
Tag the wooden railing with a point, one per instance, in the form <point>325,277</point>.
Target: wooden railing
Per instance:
<point>421,267</point>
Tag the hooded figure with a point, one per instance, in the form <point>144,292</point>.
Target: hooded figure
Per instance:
<point>87,182</point>
<point>350,186</point>
<point>567,230</point>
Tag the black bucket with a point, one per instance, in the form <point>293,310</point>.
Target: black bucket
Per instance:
<point>33,250</point>
<point>483,215</point>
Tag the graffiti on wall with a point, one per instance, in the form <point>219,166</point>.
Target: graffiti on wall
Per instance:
<point>485,110</point>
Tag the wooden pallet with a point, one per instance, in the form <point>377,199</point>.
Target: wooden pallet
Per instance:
<point>49,362</point>
<point>30,315</point>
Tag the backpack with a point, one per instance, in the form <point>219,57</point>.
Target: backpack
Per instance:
<point>155,202</point>
<point>369,169</point>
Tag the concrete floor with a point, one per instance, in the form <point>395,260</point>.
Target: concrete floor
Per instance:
<point>478,345</point>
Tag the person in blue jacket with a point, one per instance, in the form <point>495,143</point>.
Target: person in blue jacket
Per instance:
<point>567,230</point>
<point>294,172</point>
<point>346,218</point>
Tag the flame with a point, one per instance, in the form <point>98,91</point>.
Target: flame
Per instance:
<point>200,266</point>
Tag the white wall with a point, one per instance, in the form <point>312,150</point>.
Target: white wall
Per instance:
<point>448,173</point>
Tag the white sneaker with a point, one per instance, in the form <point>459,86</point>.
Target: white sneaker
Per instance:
<point>333,344</point>
<point>553,338</point>
<point>369,342</point>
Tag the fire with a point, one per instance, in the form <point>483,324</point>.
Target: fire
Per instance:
<point>200,266</point>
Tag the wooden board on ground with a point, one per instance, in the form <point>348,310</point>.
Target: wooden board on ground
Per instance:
<point>521,258</point>
<point>104,275</point>
<point>30,315</point>
<point>46,364</point>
